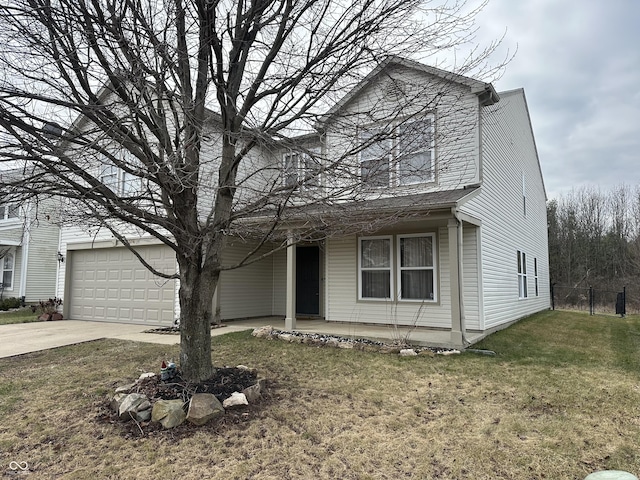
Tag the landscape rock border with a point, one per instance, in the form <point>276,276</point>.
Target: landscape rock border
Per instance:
<point>129,404</point>
<point>334,341</point>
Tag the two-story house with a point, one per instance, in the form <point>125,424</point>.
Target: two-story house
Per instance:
<point>447,230</point>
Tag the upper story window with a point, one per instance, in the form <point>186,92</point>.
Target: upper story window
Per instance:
<point>7,264</point>
<point>402,155</point>
<point>119,181</point>
<point>9,211</point>
<point>301,169</point>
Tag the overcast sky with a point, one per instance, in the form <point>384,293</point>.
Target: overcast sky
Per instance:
<point>579,63</point>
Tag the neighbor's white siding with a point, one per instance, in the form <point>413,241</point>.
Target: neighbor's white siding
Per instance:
<point>342,288</point>
<point>508,153</point>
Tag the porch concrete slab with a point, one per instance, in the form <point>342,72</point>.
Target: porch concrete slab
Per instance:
<point>384,333</point>
<point>21,338</point>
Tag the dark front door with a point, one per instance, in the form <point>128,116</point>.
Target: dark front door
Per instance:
<point>308,280</point>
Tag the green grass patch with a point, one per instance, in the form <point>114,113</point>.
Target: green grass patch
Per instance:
<point>23,315</point>
<point>560,400</point>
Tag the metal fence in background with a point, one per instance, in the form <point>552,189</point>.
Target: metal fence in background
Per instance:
<point>625,300</point>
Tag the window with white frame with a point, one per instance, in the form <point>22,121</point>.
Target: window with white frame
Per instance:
<point>416,267</point>
<point>129,184</point>
<point>375,157</point>
<point>535,274</point>
<point>374,263</point>
<point>522,275</point>
<point>109,177</point>
<point>403,155</point>
<point>7,263</point>
<point>415,151</point>
<point>301,168</point>
<point>8,211</point>
<point>412,267</point>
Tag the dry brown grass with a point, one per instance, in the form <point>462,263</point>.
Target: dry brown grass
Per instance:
<point>560,400</point>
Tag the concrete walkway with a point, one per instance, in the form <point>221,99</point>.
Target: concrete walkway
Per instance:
<point>21,338</point>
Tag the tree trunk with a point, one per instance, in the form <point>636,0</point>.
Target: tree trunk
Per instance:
<point>196,301</point>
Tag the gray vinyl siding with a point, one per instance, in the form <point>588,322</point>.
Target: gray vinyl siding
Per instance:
<point>279,282</point>
<point>455,110</point>
<point>42,264</point>
<point>470,278</point>
<point>508,153</point>
<point>246,291</point>
<point>342,288</point>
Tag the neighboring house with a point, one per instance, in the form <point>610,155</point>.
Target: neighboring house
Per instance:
<point>29,251</point>
<point>466,250</point>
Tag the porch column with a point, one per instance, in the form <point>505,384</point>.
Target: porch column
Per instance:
<point>455,257</point>
<point>290,318</point>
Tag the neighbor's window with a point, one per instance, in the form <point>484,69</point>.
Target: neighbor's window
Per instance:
<point>375,268</point>
<point>7,271</point>
<point>415,151</point>
<point>522,275</point>
<point>129,184</point>
<point>375,157</point>
<point>8,211</point>
<point>416,254</point>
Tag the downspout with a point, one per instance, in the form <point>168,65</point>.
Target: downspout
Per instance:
<point>463,329</point>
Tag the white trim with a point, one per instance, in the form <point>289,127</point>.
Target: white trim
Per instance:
<point>433,268</point>
<point>11,252</point>
<point>523,285</point>
<point>389,268</point>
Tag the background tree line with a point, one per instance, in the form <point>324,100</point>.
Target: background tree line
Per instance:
<point>594,240</point>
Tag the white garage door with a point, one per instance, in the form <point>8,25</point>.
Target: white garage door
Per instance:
<point>111,285</point>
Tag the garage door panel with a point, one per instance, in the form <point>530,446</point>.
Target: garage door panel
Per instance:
<point>112,285</point>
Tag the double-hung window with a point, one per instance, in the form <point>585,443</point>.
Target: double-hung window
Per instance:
<point>375,259</point>
<point>398,155</point>
<point>407,261</point>
<point>109,177</point>
<point>416,267</point>
<point>522,275</point>
<point>7,271</point>
<point>415,151</point>
<point>375,157</point>
<point>301,168</point>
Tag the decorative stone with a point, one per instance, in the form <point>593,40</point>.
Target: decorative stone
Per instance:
<point>132,404</point>
<point>390,349</point>
<point>285,336</point>
<point>262,332</point>
<point>236,399</point>
<point>125,388</point>
<point>426,353</point>
<point>408,352</point>
<point>144,376</point>
<point>242,367</point>
<point>346,345</point>
<point>611,475</point>
<point>449,352</point>
<point>203,407</point>
<point>116,401</point>
<point>169,413</point>
<point>252,393</point>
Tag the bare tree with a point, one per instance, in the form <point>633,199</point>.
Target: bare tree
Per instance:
<point>92,85</point>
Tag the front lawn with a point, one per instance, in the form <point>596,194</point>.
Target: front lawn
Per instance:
<point>560,399</point>
<point>22,315</point>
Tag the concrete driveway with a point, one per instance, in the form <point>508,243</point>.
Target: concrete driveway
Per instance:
<point>21,338</point>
